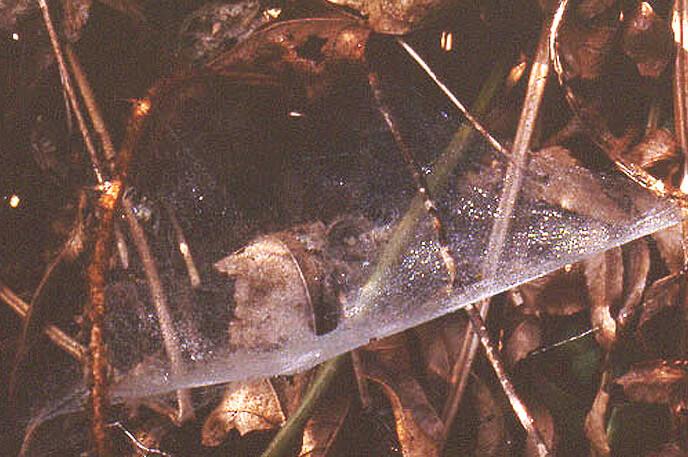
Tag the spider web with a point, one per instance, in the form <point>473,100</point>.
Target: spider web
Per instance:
<point>247,169</point>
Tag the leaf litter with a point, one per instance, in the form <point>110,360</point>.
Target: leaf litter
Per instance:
<point>280,294</point>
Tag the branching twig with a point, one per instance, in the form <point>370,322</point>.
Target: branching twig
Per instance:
<point>56,335</point>
<point>184,248</point>
<point>512,185</point>
<point>455,101</point>
<point>91,106</point>
<point>419,179</point>
<point>157,293</point>
<point>67,84</point>
<point>681,83</point>
<point>442,169</point>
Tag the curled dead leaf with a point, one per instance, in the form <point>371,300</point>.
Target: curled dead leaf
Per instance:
<point>419,428</point>
<point>322,428</point>
<point>658,148</point>
<point>560,293</point>
<point>636,266</point>
<point>246,407</point>
<point>657,327</point>
<point>585,48</point>
<point>395,17</point>
<point>320,51</point>
<point>596,423</point>
<point>647,40</point>
<point>525,338</point>
<point>604,280</point>
<point>658,381</point>
<point>279,285</point>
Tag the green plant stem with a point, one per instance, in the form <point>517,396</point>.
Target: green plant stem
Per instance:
<point>285,438</point>
<point>437,181</point>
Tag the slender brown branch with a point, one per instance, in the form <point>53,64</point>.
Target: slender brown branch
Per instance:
<point>184,249</point>
<point>421,183</point>
<point>90,101</point>
<point>54,333</point>
<point>493,357</point>
<point>169,335</point>
<point>512,186</point>
<point>67,84</point>
<point>99,364</point>
<point>137,443</point>
<point>361,381</point>
<point>455,101</point>
<point>681,83</point>
<point>122,250</point>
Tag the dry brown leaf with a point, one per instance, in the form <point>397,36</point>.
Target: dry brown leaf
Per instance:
<point>545,424</point>
<point>585,48</point>
<point>604,280</point>
<point>636,265</point>
<point>588,9</point>
<point>419,428</point>
<point>492,438</point>
<point>440,342</point>
<point>274,291</point>
<point>658,147</point>
<point>560,293</point>
<point>561,180</point>
<point>318,51</point>
<point>596,423</point>
<point>525,338</point>
<point>657,327</point>
<point>76,13</point>
<point>658,381</point>
<point>670,245</point>
<point>397,17</point>
<point>668,450</point>
<point>647,40</point>
<point>248,407</point>
<point>322,428</point>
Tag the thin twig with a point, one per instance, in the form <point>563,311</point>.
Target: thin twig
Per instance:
<point>361,381</point>
<point>327,373</point>
<point>418,177</point>
<point>680,26</point>
<point>91,106</point>
<point>137,443</point>
<point>455,101</point>
<point>99,364</point>
<point>509,196</point>
<point>442,169</point>
<point>67,84</point>
<point>184,248</point>
<point>493,357</point>
<point>56,335</point>
<point>169,335</point>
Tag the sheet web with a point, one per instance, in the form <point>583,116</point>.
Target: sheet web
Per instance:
<point>286,232</point>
